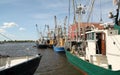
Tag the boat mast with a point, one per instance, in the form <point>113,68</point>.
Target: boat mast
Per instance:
<point>91,9</point>
<point>80,11</point>
<point>65,27</point>
<point>74,20</point>
<point>101,20</point>
<point>69,27</point>
<point>55,31</point>
<point>74,11</point>
<point>48,33</point>
<point>39,33</point>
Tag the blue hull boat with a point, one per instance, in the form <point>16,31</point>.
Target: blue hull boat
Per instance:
<point>58,49</point>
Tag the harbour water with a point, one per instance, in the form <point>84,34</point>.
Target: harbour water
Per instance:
<point>52,63</point>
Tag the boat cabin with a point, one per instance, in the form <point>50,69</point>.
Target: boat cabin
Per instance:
<point>96,42</point>
<point>103,45</point>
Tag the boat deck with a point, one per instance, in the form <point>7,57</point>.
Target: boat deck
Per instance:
<point>6,62</point>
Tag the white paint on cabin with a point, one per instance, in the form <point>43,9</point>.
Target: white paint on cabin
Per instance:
<point>113,50</point>
<point>90,50</point>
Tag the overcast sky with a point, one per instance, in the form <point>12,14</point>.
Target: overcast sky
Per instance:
<point>19,17</point>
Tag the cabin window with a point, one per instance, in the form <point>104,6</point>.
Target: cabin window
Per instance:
<point>90,36</point>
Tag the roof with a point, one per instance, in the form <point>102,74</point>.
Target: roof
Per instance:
<point>93,24</point>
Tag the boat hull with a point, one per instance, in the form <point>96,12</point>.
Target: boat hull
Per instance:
<point>58,49</point>
<point>42,46</point>
<point>88,68</point>
<point>50,46</point>
<point>25,68</point>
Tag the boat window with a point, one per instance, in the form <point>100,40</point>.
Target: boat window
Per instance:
<point>90,36</point>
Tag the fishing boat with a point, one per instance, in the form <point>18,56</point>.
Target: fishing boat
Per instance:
<point>41,43</point>
<point>60,37</point>
<point>51,42</point>
<point>59,47</point>
<point>50,35</point>
<point>25,65</point>
<point>101,55</point>
<point>98,53</point>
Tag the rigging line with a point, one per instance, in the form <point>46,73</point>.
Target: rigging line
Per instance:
<point>91,9</point>
<point>38,31</point>
<point>44,28</point>
<point>5,36</point>
<point>74,11</point>
<point>69,34</point>
<point>87,9</point>
<point>68,14</point>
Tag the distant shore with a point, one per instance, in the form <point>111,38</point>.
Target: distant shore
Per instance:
<point>16,41</point>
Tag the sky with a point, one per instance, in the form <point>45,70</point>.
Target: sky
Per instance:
<point>19,17</point>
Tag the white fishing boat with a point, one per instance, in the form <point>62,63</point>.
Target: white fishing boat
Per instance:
<point>24,65</point>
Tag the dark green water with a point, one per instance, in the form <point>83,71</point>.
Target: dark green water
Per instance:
<point>52,63</point>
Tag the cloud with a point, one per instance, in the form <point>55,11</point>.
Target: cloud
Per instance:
<point>2,31</point>
<point>22,29</point>
<point>9,24</point>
